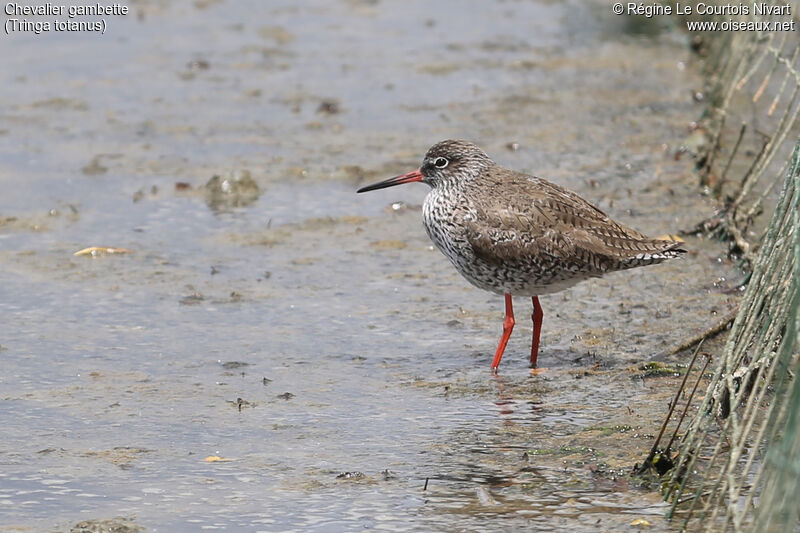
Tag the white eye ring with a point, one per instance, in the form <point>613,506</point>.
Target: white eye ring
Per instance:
<point>440,162</point>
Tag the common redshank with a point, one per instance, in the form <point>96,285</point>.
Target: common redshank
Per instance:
<point>518,235</point>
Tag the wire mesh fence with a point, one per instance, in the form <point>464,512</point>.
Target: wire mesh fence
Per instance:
<point>738,466</point>
<point>750,121</point>
<point>742,447</point>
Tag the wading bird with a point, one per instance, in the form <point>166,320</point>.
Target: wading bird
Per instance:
<point>519,235</point>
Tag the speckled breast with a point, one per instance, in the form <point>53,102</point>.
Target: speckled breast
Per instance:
<point>445,214</point>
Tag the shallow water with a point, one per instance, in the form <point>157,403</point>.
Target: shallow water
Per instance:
<point>123,373</point>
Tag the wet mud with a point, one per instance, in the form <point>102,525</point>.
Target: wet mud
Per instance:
<point>277,353</point>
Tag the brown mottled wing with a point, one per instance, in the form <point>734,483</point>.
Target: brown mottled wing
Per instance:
<point>530,219</point>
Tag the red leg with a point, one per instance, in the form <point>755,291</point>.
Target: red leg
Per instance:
<point>508,325</point>
<point>537,329</point>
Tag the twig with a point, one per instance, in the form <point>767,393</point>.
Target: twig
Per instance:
<point>721,182</point>
<point>648,462</point>
<point>689,400</point>
<point>712,153</point>
<point>708,332</point>
<point>761,153</point>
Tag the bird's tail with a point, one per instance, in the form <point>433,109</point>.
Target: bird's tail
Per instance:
<point>655,251</point>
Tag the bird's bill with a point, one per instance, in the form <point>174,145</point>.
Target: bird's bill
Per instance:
<point>415,175</point>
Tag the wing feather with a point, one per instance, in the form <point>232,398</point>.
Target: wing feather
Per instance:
<point>529,219</point>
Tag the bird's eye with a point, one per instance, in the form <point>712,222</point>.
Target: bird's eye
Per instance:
<point>440,162</point>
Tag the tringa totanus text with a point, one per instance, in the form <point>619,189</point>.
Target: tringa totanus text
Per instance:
<point>515,234</point>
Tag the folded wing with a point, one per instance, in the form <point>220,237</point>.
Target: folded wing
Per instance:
<point>530,220</point>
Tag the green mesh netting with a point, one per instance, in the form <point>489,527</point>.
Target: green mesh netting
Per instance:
<point>739,463</point>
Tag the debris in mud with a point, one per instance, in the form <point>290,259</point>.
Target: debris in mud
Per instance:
<point>663,463</point>
<point>13,223</point>
<point>198,64</point>
<point>121,456</point>
<point>230,365</point>
<point>194,67</point>
<point>659,464</point>
<point>111,525</point>
<point>398,206</point>
<point>232,297</point>
<point>351,476</point>
<point>484,497</point>
<point>94,167</point>
<point>329,107</point>
<point>655,369</point>
<point>95,251</point>
<point>297,171</point>
<point>233,189</point>
<point>561,450</point>
<point>605,431</point>
<point>438,69</point>
<point>593,356</point>
<point>388,245</point>
<point>139,195</point>
<point>193,299</point>
<point>182,186</point>
<point>241,403</point>
<point>708,332</point>
<point>217,459</point>
<point>276,33</point>
<point>266,381</point>
<point>61,104</point>
<point>402,207</point>
<point>285,396</point>
<point>45,451</point>
<point>696,144</point>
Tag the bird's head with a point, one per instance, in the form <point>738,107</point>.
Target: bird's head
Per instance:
<point>446,163</point>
